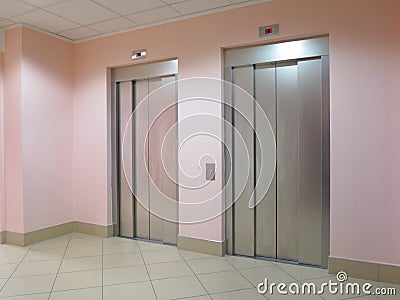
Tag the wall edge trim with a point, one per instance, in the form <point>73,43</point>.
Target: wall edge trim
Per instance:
<point>44,234</point>
<point>216,248</point>
<point>378,272</point>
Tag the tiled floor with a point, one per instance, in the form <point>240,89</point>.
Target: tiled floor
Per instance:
<point>84,267</point>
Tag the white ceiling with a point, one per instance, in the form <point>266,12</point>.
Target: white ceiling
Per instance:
<point>82,19</point>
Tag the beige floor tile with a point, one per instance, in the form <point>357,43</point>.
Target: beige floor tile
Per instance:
<point>175,288</point>
<point>44,254</point>
<point>122,260</point>
<point>169,270</point>
<point>147,246</point>
<point>51,244</point>
<point>78,280</point>
<point>239,295</point>
<point>224,282</point>
<point>277,296</point>
<point>272,273</point>
<point>29,297</point>
<point>85,241</point>
<point>81,264</point>
<point>11,257</point>
<point>303,273</point>
<point>81,236</point>
<point>5,248</point>
<point>28,285</point>
<point>209,265</point>
<point>37,268</point>
<point>84,294</point>
<point>118,240</point>
<point>124,247</point>
<point>189,255</point>
<point>125,275</point>
<point>131,291</point>
<point>246,263</point>
<point>7,270</point>
<point>205,297</point>
<point>77,235</point>
<point>2,283</point>
<point>155,257</point>
<point>85,251</point>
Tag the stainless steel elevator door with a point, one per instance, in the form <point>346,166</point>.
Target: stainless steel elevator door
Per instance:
<point>141,181</point>
<point>287,140</point>
<point>310,162</point>
<point>162,188</point>
<point>244,216</point>
<point>265,211</point>
<point>125,108</point>
<point>288,223</point>
<point>141,146</point>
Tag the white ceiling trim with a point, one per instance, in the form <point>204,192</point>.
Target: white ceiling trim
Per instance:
<point>16,25</point>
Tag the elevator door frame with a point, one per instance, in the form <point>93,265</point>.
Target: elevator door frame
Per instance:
<point>130,73</point>
<point>277,53</point>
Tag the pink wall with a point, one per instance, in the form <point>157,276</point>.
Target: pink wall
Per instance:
<point>2,187</point>
<point>13,130</point>
<point>38,130</point>
<point>365,91</point>
<point>47,130</point>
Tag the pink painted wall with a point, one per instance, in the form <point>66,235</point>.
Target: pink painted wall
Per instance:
<point>2,187</point>
<point>365,94</point>
<point>13,130</point>
<point>47,130</point>
<point>38,130</point>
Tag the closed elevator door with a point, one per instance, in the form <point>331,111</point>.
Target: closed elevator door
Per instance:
<point>288,223</point>
<point>142,145</point>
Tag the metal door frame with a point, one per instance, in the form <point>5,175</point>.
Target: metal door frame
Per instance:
<point>275,53</point>
<point>135,72</point>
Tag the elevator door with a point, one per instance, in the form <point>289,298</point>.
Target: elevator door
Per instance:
<point>142,142</point>
<point>288,223</point>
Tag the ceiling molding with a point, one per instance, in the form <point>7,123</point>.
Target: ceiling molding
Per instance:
<point>54,35</point>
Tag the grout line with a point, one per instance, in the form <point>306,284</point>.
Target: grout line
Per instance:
<point>238,271</point>
<point>59,268</point>
<point>18,264</point>
<point>195,275</point>
<point>148,274</point>
<point>290,274</point>
<point>240,274</point>
<point>125,283</point>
